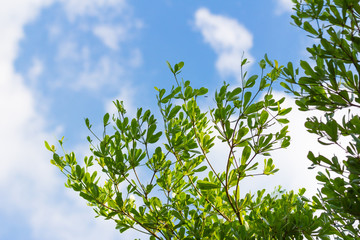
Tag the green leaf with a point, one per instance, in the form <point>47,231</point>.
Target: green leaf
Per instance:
<point>177,67</point>
<point>268,61</point>
<point>180,65</point>
<point>78,171</point>
<point>286,86</point>
<point>173,112</point>
<point>252,108</point>
<point>206,185</point>
<point>138,113</point>
<point>87,123</point>
<point>245,155</point>
<point>155,138</point>
<point>244,61</point>
<point>95,190</point>
<point>290,68</point>
<point>188,92</point>
<point>161,93</point>
<point>331,128</point>
<point>170,67</point>
<point>241,133</point>
<point>51,149</point>
<point>119,200</point>
<point>308,71</point>
<point>356,139</point>
<point>251,81</point>
<point>202,91</point>
<point>286,142</point>
<point>106,119</point>
<point>263,117</point>
<point>307,27</point>
<point>263,83</point>
<point>86,196</point>
<point>247,97</point>
<point>285,111</point>
<point>234,93</point>
<point>283,120</point>
<point>201,169</point>
<point>262,64</point>
<point>321,177</point>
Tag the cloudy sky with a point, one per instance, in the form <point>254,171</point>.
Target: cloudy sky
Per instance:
<point>64,60</point>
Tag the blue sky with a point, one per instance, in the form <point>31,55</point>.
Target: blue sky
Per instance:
<point>64,60</point>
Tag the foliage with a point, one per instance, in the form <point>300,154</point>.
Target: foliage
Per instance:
<point>330,86</point>
<point>160,178</point>
<point>152,182</point>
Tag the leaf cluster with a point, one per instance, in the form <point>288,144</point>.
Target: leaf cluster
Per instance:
<point>164,183</point>
<point>158,177</point>
<point>330,84</point>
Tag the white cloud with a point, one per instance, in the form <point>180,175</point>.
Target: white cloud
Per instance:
<point>33,189</point>
<point>112,30</point>
<point>229,39</point>
<point>77,8</point>
<point>283,6</point>
<point>93,77</point>
<point>54,31</point>
<point>68,50</point>
<point>93,73</point>
<point>111,35</point>
<point>35,70</point>
<point>135,59</point>
<point>17,102</point>
<point>13,14</point>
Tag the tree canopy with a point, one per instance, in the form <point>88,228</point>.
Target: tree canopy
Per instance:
<point>157,176</point>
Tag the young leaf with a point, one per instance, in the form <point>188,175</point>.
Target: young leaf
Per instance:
<point>170,67</point>
<point>51,149</point>
<point>106,119</point>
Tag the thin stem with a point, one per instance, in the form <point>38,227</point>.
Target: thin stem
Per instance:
<point>199,193</point>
